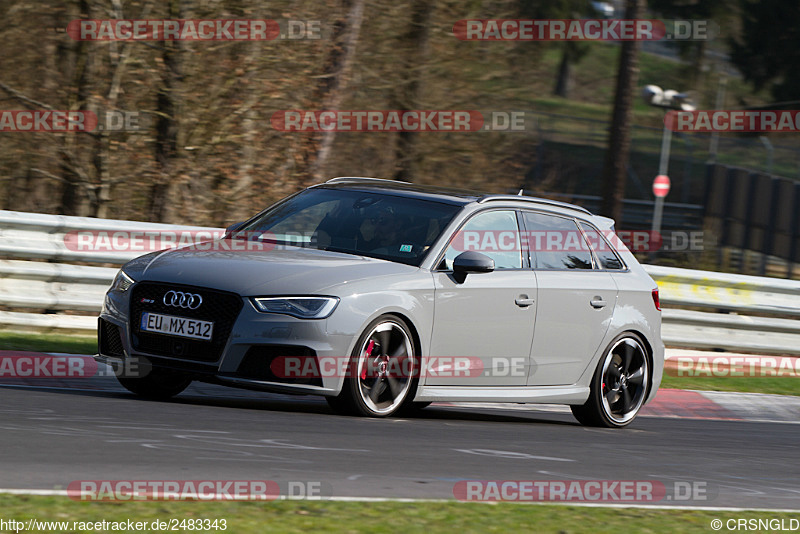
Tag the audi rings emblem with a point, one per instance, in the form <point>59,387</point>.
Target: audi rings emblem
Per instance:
<point>179,299</point>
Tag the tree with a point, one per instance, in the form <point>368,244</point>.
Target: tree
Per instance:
<point>694,51</point>
<point>768,50</point>
<point>571,53</point>
<point>69,83</point>
<point>413,43</point>
<point>164,189</point>
<point>619,139</point>
<point>330,90</point>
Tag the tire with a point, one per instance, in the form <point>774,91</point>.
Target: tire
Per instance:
<point>383,370</point>
<point>157,384</point>
<point>619,386</point>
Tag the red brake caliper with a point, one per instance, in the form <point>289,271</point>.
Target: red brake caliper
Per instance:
<point>369,354</point>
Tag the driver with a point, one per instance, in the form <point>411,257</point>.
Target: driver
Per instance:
<point>385,232</point>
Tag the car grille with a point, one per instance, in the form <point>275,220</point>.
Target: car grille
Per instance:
<point>218,306</point>
<point>109,339</point>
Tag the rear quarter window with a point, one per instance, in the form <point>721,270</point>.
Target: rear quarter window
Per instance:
<point>603,250</point>
<point>556,243</point>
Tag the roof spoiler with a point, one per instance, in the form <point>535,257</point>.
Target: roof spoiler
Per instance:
<point>606,222</point>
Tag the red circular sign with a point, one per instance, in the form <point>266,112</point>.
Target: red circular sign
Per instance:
<point>661,185</point>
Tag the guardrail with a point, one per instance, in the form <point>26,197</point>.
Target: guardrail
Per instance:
<point>750,313</point>
<point>702,309</point>
<point>54,293</point>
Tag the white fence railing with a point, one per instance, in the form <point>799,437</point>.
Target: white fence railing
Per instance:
<point>53,293</point>
<point>701,309</point>
<point>741,313</point>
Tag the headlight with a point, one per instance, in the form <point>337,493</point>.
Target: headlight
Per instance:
<point>300,307</point>
<point>122,282</point>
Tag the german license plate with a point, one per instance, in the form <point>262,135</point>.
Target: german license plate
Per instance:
<point>176,326</point>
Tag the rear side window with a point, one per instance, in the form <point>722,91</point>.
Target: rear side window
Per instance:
<point>603,250</point>
<point>556,242</point>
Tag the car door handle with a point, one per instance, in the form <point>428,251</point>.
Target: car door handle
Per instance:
<point>597,302</point>
<point>523,301</point>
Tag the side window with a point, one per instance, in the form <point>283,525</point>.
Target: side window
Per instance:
<point>494,233</point>
<point>602,248</point>
<point>556,243</point>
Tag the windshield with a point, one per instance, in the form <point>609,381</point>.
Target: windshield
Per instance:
<point>373,224</point>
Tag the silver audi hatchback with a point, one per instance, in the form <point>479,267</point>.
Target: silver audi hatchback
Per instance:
<point>385,296</point>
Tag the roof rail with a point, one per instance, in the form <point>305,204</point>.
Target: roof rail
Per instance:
<point>342,179</point>
<point>490,198</point>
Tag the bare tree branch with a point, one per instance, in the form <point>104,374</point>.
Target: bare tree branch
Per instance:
<point>24,99</point>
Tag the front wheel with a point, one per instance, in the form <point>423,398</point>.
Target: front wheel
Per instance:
<point>619,386</point>
<point>157,384</point>
<point>382,371</point>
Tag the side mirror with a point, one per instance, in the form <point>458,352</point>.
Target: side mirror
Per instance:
<point>471,262</point>
<point>232,228</point>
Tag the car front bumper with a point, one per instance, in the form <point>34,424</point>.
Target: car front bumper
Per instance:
<point>245,357</point>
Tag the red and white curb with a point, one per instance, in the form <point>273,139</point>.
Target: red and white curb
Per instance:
<point>685,404</point>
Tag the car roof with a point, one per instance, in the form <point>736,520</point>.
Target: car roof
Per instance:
<point>447,195</point>
<point>440,194</point>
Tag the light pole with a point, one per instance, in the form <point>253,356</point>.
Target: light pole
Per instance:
<point>714,144</point>
<point>669,99</point>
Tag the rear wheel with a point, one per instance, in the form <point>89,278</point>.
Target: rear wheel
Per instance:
<point>157,384</point>
<point>382,371</point>
<point>619,386</point>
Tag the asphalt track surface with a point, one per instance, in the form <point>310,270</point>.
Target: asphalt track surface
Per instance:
<point>94,430</point>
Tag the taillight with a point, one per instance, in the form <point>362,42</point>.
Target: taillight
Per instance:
<point>656,300</point>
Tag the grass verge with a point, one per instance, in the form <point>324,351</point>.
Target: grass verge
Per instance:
<point>776,385</point>
<point>77,344</point>
<point>327,516</point>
